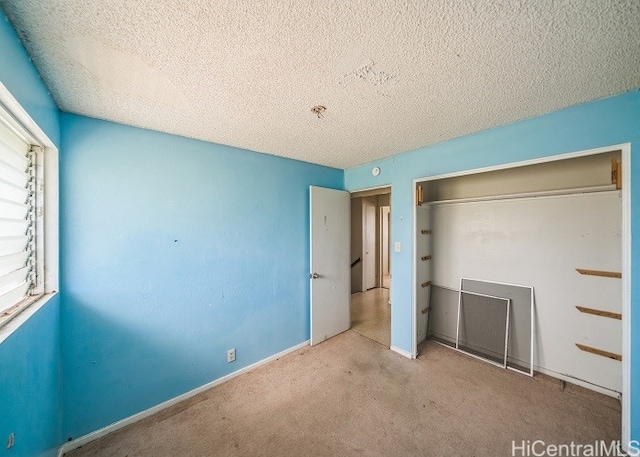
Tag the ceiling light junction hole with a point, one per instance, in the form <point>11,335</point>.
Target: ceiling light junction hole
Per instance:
<point>319,110</point>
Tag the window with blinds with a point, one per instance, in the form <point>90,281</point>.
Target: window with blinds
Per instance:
<point>18,222</point>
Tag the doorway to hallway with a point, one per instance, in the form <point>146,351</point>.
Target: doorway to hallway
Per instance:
<point>371,315</point>
<point>371,264</point>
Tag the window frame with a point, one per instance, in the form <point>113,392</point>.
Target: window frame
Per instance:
<point>46,225</point>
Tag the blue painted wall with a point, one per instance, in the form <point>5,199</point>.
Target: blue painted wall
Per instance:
<point>173,251</point>
<point>30,400</point>
<point>591,125</point>
<point>30,385</point>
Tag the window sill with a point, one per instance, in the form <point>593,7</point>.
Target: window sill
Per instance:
<point>10,324</point>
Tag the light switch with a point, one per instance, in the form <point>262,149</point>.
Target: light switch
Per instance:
<point>397,246</point>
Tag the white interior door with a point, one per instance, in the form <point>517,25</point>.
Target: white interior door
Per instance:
<point>385,216</point>
<point>330,228</point>
<point>369,250</point>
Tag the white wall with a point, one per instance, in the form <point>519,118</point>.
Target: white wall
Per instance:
<point>539,242</point>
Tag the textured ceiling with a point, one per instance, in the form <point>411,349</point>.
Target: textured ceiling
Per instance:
<point>393,75</point>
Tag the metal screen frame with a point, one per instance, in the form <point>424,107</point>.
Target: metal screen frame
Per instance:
<point>532,317</point>
<point>506,330</point>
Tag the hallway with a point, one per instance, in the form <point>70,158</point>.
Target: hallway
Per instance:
<point>371,315</point>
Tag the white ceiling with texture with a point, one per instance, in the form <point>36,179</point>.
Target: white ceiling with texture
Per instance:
<point>393,75</point>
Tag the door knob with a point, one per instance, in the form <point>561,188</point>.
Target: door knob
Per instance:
<point>314,275</point>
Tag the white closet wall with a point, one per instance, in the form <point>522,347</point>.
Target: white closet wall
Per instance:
<point>540,242</point>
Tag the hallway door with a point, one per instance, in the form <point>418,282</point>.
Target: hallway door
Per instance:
<point>369,251</point>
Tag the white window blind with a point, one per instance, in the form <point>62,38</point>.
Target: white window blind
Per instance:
<point>18,266</point>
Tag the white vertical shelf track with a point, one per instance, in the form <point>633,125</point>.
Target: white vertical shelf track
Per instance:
<point>423,271</point>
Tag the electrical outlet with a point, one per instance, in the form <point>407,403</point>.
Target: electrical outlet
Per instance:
<point>11,441</point>
<point>231,355</point>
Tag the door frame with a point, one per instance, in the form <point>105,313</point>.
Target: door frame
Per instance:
<point>625,148</point>
<point>367,243</point>
<point>381,244</point>
<point>390,187</point>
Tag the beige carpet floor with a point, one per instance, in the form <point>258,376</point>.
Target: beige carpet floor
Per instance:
<point>351,396</point>
<point>371,315</point>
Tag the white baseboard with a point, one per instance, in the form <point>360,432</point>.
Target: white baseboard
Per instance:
<point>78,442</point>
<point>562,377</point>
<point>402,352</point>
<point>579,382</point>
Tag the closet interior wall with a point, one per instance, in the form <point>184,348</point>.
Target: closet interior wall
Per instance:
<point>533,226</point>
